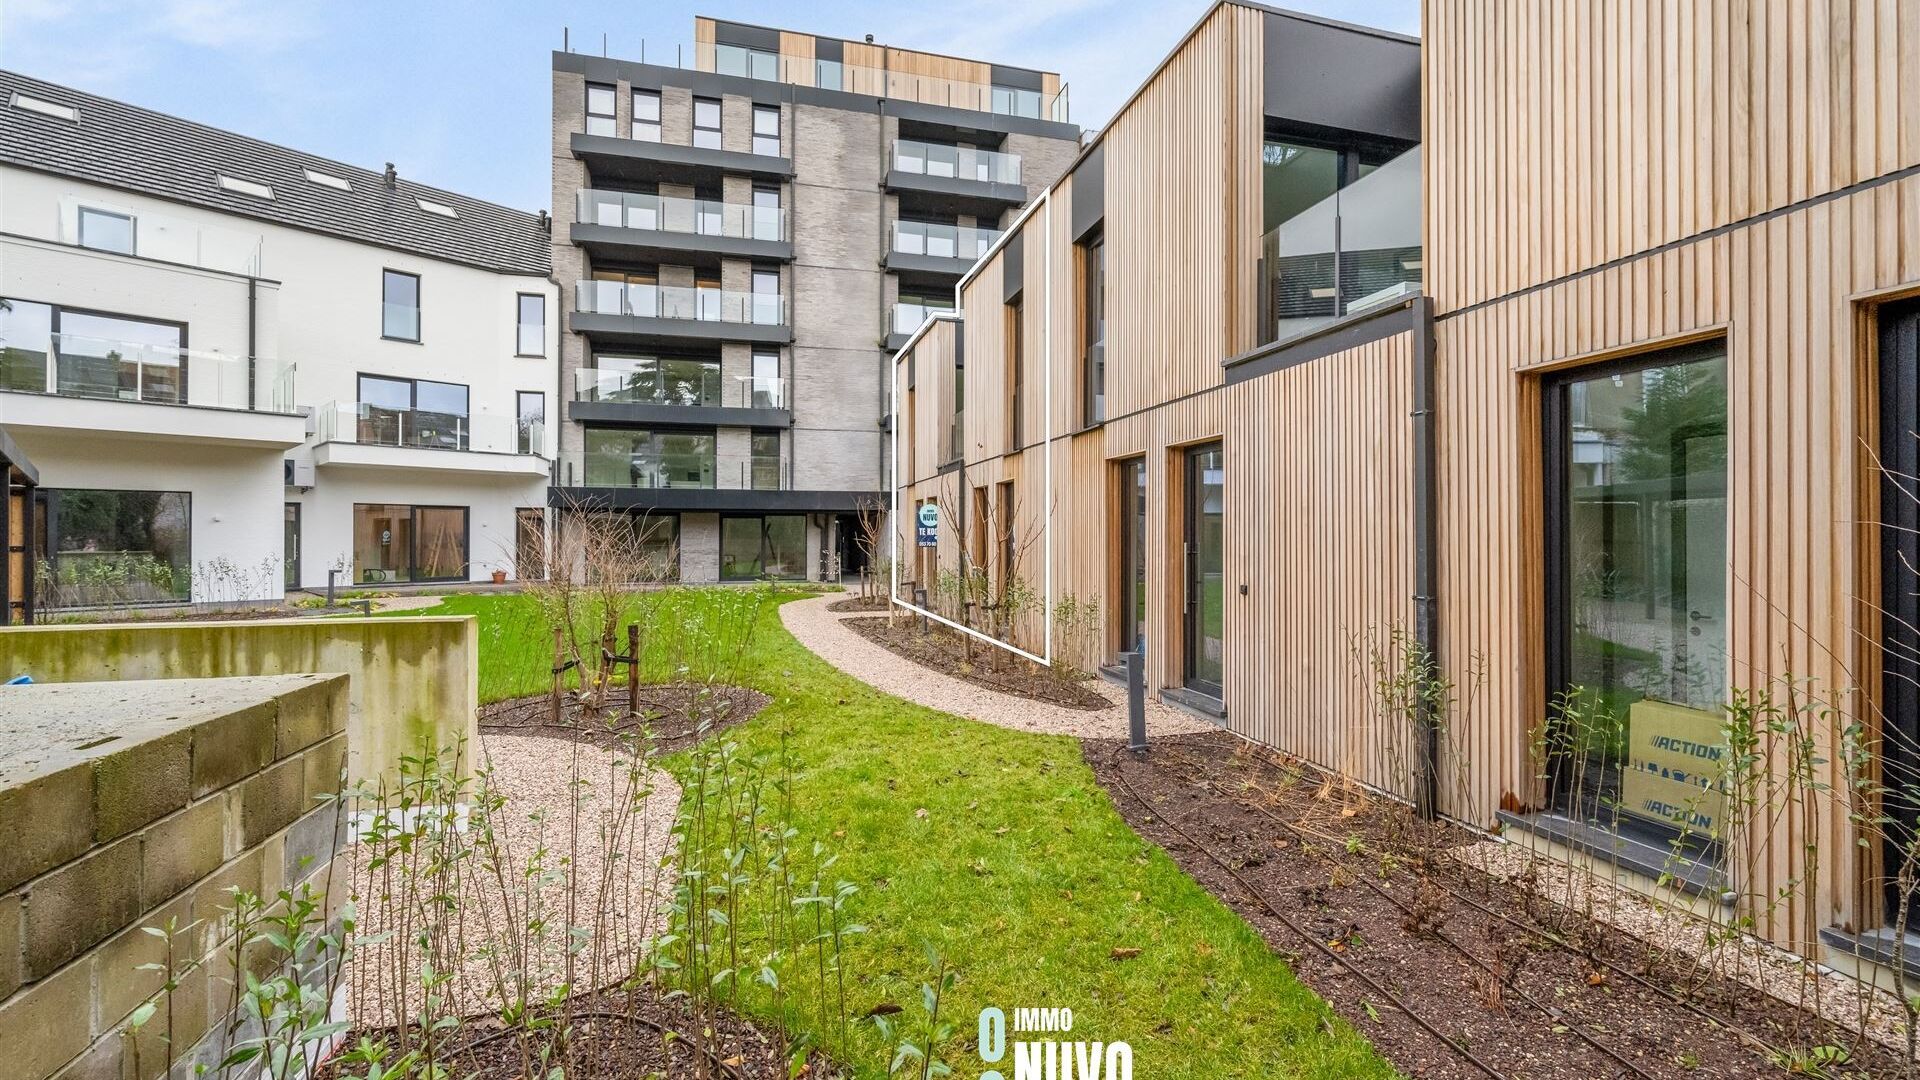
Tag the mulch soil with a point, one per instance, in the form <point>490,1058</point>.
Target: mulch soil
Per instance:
<point>616,1034</point>
<point>680,714</point>
<point>995,669</point>
<point>1410,924</point>
<point>859,603</point>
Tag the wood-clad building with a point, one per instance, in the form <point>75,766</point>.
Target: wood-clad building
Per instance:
<point>1574,346</point>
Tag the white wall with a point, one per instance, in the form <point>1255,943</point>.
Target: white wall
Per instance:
<point>320,309</point>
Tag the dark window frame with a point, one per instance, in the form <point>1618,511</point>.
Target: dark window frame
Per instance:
<point>413,401</point>
<point>1897,382</point>
<point>586,106</point>
<point>519,314</point>
<point>290,572</point>
<point>419,306</point>
<point>55,310</point>
<point>656,125</point>
<point>521,441</point>
<point>1016,372</point>
<point>719,123</point>
<point>1092,280</point>
<point>758,112</point>
<point>46,522</point>
<point>413,540</point>
<point>762,557</point>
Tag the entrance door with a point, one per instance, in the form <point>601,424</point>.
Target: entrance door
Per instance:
<point>1899,591</point>
<point>530,543</point>
<point>1205,569</point>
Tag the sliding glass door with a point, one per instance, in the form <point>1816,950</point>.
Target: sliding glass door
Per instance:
<point>1636,471</point>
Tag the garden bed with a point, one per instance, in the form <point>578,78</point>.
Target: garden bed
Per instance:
<point>1419,951</point>
<point>944,651</point>
<point>679,714</point>
<point>859,603</point>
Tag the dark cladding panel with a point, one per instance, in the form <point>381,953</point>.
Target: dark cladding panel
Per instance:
<point>1342,77</point>
<point>1013,262</point>
<point>1018,78</point>
<point>829,49</point>
<point>1090,191</point>
<point>752,37</point>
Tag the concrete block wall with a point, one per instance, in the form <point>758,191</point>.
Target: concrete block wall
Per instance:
<point>133,804</point>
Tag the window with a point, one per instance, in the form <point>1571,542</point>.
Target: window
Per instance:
<point>438,209</point>
<point>977,545</point>
<point>530,408</point>
<point>1899,563</point>
<point>44,107</point>
<point>1206,585</point>
<point>764,474</point>
<point>773,546</point>
<point>409,543</point>
<point>113,548</point>
<point>104,230</point>
<point>47,348</point>
<point>646,115</point>
<point>827,74</point>
<point>530,543</point>
<point>530,330</point>
<point>767,222</point>
<point>706,123</point>
<point>338,183</point>
<point>750,63</point>
<point>290,546</point>
<point>600,119</point>
<point>1312,271</point>
<point>766,391</point>
<point>621,292</point>
<point>766,130</point>
<point>412,412</point>
<point>243,187</point>
<point>1016,374</point>
<point>767,307</point>
<point>638,458</point>
<point>399,305</point>
<point>1093,329</point>
<point>1636,605</point>
<point>1132,520</point>
<point>1014,101</point>
<point>1006,530</point>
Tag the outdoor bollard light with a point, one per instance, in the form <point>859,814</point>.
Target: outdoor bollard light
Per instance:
<point>920,601</point>
<point>1136,701</point>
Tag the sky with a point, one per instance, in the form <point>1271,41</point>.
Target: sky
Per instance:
<point>457,95</point>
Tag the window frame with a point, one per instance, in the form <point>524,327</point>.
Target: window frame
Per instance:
<point>612,118</point>
<point>413,541</point>
<point>50,380</point>
<point>290,568</point>
<point>413,406</point>
<point>46,521</point>
<point>520,325</point>
<point>718,129</point>
<point>760,111</point>
<point>1090,259</point>
<point>638,125</point>
<point>761,559</point>
<point>521,441</point>
<point>133,229</point>
<point>419,306</point>
<point>1016,314</point>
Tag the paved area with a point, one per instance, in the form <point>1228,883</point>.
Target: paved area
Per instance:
<point>820,631</point>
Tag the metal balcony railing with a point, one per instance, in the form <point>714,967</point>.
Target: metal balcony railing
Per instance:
<point>908,316</point>
<point>656,470</point>
<point>672,382</point>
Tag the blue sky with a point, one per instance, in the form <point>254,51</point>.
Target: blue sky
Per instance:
<point>456,95</point>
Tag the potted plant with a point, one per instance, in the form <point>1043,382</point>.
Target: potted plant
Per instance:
<point>499,577</point>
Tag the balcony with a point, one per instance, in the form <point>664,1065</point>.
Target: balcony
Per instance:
<point>684,482</point>
<point>954,178</point>
<point>639,227</point>
<point>655,391</point>
<point>896,86</point>
<point>922,247</point>
<point>166,238</point>
<point>145,388</point>
<point>638,314</point>
<point>1352,252</point>
<point>610,157</point>
<point>362,434</point>
<point>907,317</point>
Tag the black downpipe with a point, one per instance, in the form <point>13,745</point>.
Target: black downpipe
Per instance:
<point>1426,561</point>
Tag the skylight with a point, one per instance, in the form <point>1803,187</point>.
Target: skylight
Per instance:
<point>45,107</point>
<point>437,208</point>
<point>328,180</point>
<point>243,187</point>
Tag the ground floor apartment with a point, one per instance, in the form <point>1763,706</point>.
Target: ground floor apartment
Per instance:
<point>699,547</point>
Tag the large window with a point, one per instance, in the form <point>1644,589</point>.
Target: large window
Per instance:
<point>1093,329</point>
<point>412,412</point>
<point>658,380</point>
<point>530,409</point>
<point>290,545</point>
<point>600,112</point>
<point>766,130</point>
<point>399,305</point>
<point>706,123</point>
<point>45,347</point>
<point>638,458</point>
<point>1332,244</point>
<point>773,546</point>
<point>1206,641</point>
<point>409,543</point>
<point>764,448</point>
<point>104,230</point>
<point>112,548</point>
<point>646,115</point>
<point>741,60</point>
<point>1132,521</point>
<point>530,325</point>
<point>1016,374</point>
<point>1636,590</point>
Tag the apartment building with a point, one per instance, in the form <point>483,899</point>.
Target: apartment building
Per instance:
<point>241,369</point>
<point>745,242</point>
<point>1574,353</point>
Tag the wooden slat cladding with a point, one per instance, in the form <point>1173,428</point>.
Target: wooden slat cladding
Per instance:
<point>1319,519</point>
<point>1564,136</point>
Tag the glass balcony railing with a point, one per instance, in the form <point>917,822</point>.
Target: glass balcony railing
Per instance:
<point>172,239</point>
<point>870,81</point>
<point>670,213</point>
<point>1354,250</point>
<point>960,162</point>
<point>76,365</point>
<point>366,424</point>
<point>647,469</point>
<point>908,316</point>
<point>967,242</point>
<point>672,382</point>
<point>680,302</point>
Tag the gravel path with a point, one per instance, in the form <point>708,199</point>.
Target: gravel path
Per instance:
<point>536,776</point>
<point>820,631</point>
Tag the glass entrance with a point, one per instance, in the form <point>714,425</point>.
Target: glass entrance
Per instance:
<point>1899,590</point>
<point>1132,519</point>
<point>1637,604</point>
<point>1205,570</point>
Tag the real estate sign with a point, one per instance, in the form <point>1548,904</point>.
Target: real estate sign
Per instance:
<point>926,526</point>
<point>1676,759</point>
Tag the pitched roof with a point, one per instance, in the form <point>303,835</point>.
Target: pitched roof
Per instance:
<point>125,146</point>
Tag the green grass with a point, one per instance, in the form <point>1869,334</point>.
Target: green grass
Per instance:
<point>1021,873</point>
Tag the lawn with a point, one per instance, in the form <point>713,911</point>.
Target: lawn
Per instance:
<point>1019,872</point>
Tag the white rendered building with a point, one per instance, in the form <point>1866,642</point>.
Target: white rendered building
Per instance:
<point>238,367</point>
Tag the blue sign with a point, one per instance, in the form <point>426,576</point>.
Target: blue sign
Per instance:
<point>926,531</point>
